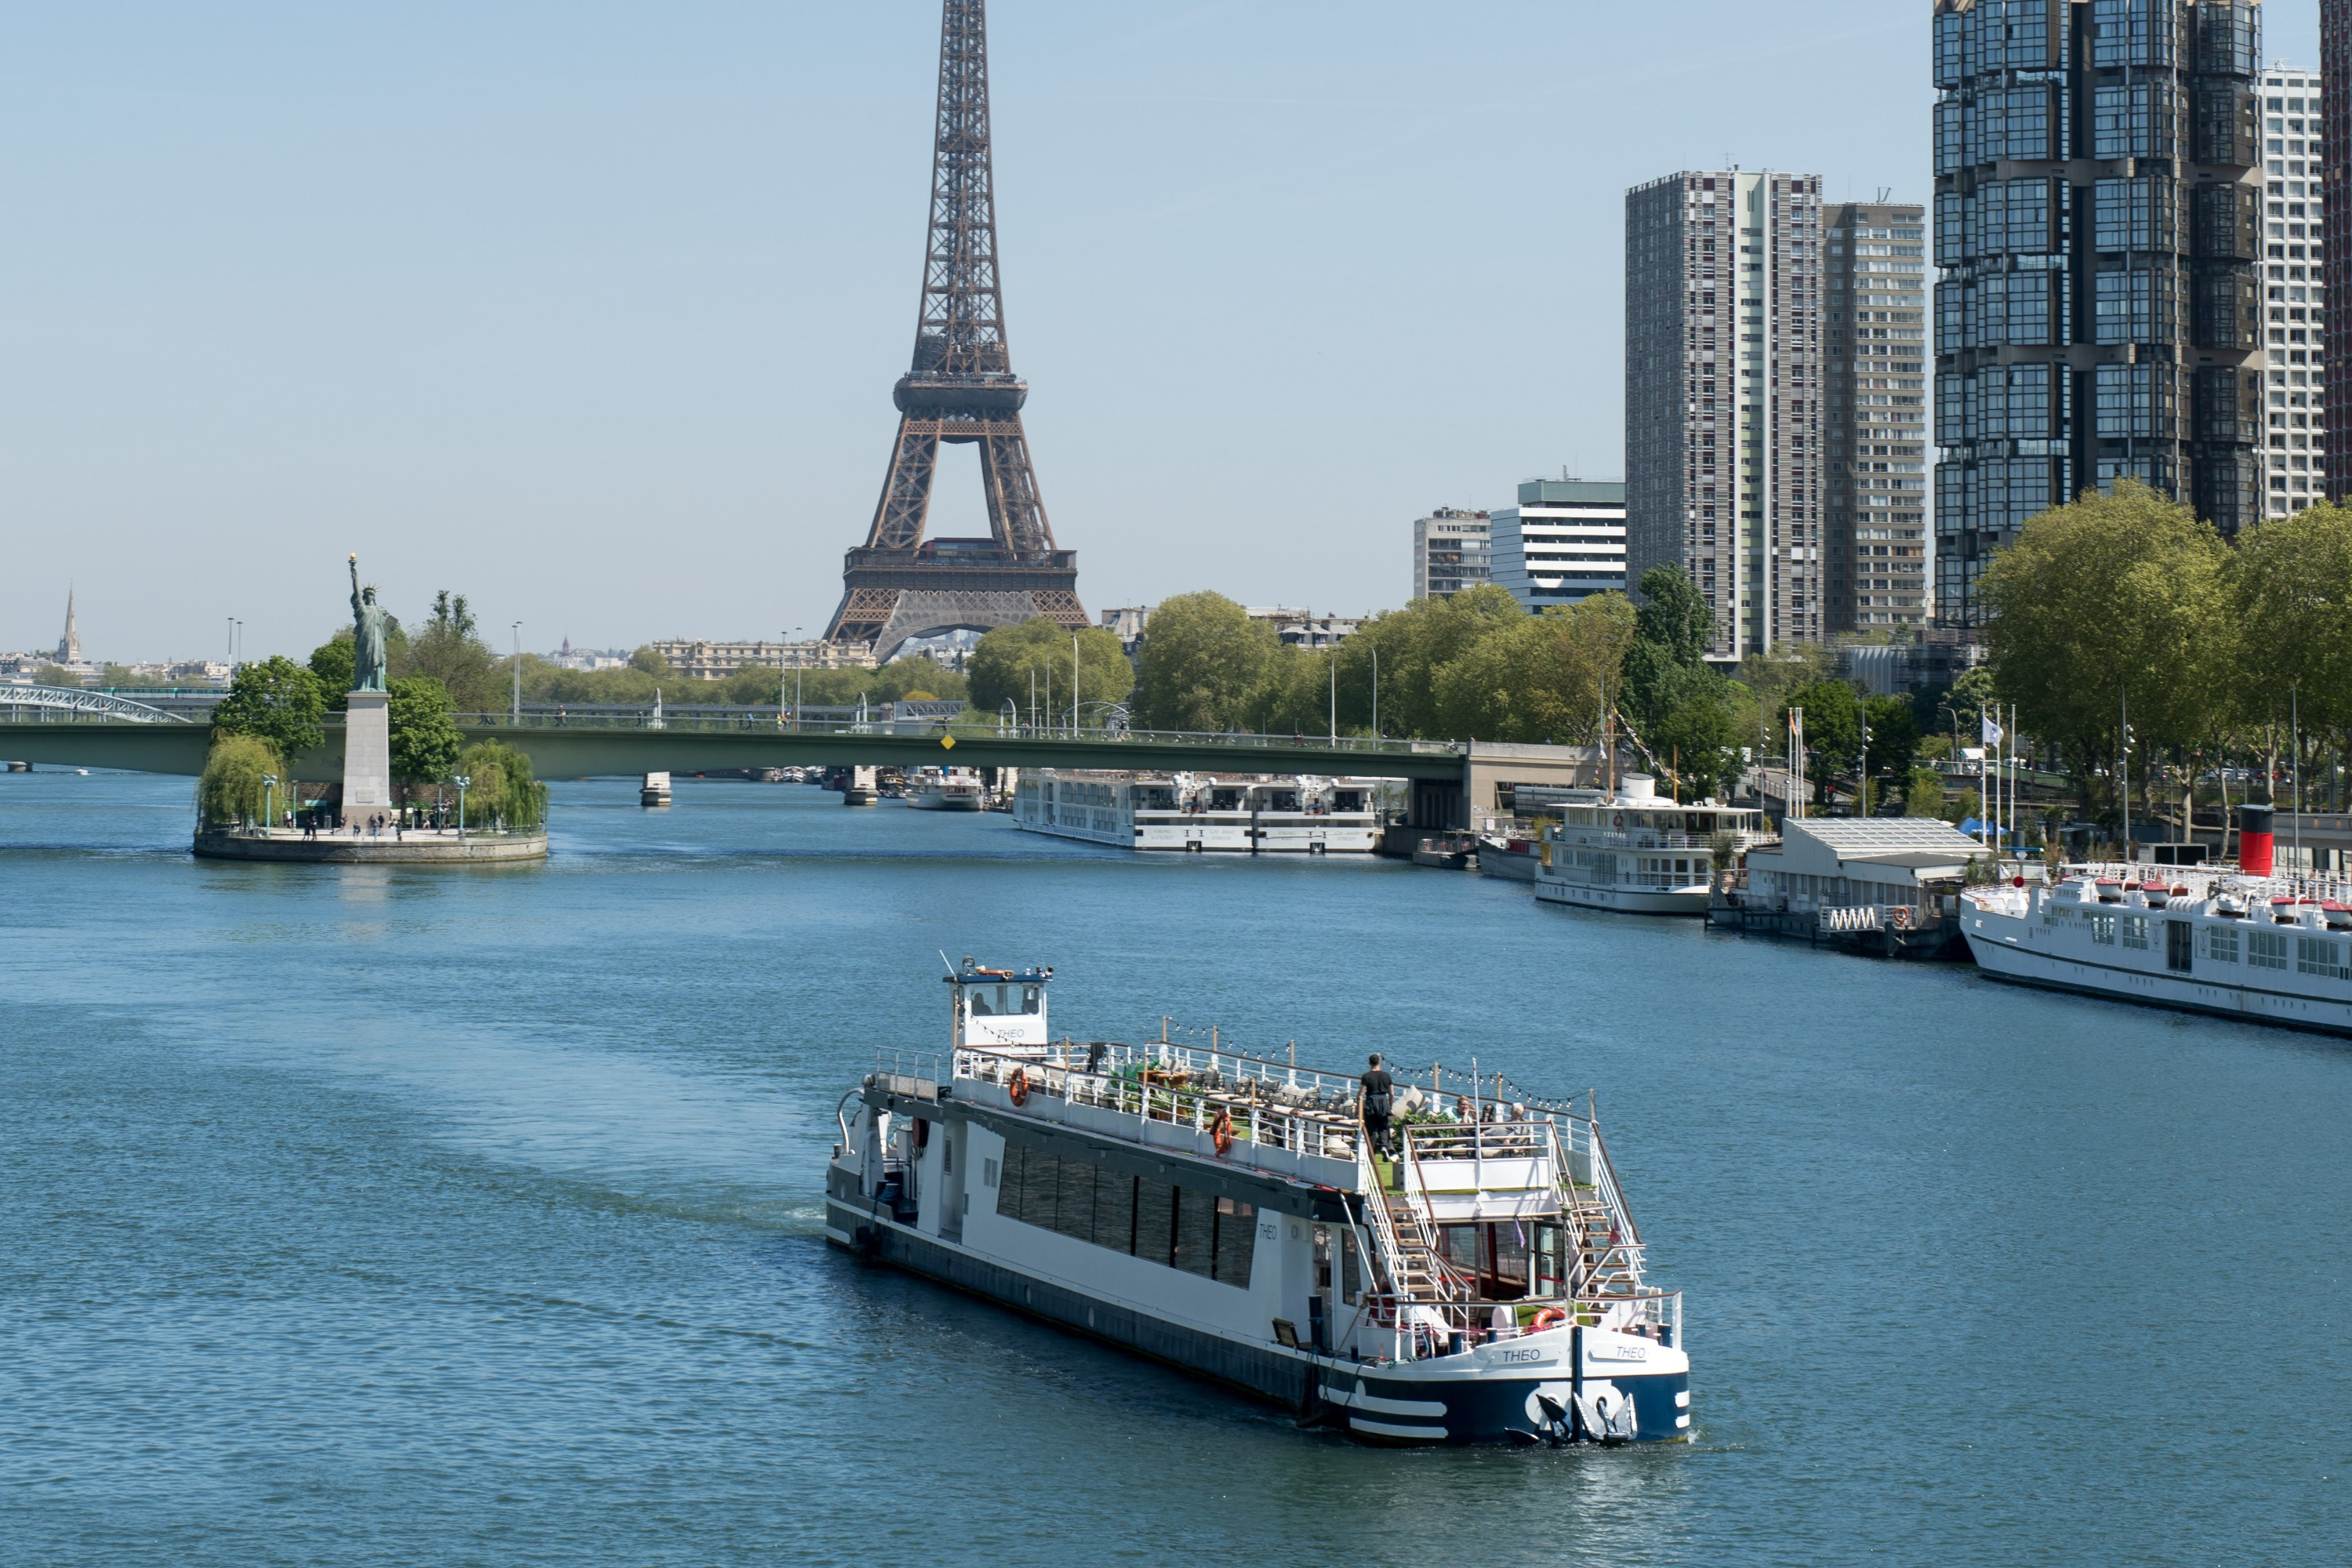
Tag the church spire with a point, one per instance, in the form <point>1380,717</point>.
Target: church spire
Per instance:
<point>70,646</point>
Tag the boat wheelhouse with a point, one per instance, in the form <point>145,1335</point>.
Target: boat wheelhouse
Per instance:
<point>2206,940</point>
<point>1246,814</point>
<point>1482,1282</point>
<point>1639,852</point>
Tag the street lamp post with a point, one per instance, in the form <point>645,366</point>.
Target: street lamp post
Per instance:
<point>461,781</point>
<point>515,718</point>
<point>269,802</point>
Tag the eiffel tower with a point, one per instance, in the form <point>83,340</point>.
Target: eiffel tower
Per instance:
<point>961,388</point>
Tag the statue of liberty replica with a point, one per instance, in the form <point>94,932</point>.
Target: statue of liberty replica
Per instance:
<point>367,727</point>
<point>367,635</point>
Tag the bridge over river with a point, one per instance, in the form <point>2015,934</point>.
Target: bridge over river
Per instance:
<point>1453,782</point>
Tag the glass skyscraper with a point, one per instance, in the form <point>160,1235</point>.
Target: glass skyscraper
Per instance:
<point>2099,223</point>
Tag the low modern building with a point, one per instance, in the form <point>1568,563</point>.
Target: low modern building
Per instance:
<point>1563,542</point>
<point>1450,552</point>
<point>1884,863</point>
<point>713,660</point>
<point>1931,662</point>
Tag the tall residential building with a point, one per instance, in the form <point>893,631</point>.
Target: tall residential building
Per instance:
<point>1564,542</point>
<point>2336,191</point>
<point>2099,224</point>
<point>1449,552</point>
<point>1722,397</point>
<point>1873,374</point>
<point>2294,289</point>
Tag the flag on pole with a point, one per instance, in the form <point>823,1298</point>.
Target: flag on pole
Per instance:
<point>1992,731</point>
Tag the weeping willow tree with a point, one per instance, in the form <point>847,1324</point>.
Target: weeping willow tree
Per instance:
<point>500,789</point>
<point>235,785</point>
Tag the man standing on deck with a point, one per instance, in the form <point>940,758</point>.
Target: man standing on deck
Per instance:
<point>1378,1088</point>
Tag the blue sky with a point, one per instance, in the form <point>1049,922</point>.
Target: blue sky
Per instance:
<point>590,310</point>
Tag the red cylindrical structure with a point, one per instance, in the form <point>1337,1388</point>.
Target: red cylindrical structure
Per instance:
<point>2254,840</point>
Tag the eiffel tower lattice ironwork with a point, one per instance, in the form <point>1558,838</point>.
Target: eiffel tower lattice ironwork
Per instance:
<point>961,388</point>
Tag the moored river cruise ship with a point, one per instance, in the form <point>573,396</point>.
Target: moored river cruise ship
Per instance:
<point>1202,813</point>
<point>1481,1282</point>
<point>1639,852</point>
<point>2262,948</point>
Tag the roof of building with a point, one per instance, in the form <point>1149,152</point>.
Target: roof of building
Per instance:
<point>1905,847</point>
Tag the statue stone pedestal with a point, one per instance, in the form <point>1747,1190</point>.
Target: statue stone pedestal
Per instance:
<point>367,756</point>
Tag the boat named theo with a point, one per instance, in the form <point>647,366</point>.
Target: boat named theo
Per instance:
<point>1229,1215</point>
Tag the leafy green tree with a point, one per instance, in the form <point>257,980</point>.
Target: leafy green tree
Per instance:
<point>1410,646</point>
<point>1675,615</point>
<point>450,649</point>
<point>1923,796</point>
<point>1202,662</point>
<point>1894,734</point>
<point>1550,677</point>
<point>234,786</point>
<point>2110,599</point>
<point>425,738</point>
<point>1701,734</point>
<point>277,701</point>
<point>2289,588</point>
<point>1009,659</point>
<point>500,788</point>
<point>647,661</point>
<point>335,665</point>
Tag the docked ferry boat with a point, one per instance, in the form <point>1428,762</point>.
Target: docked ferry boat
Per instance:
<point>1202,813</point>
<point>2262,948</point>
<point>944,789</point>
<point>1484,1283</point>
<point>1639,852</point>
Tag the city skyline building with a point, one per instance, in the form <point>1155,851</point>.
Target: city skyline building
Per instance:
<point>1722,397</point>
<point>1451,551</point>
<point>2335,192</point>
<point>1561,543</point>
<point>2099,227</point>
<point>2294,289</point>
<point>1875,327</point>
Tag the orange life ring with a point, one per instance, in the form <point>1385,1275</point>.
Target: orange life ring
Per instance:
<point>1018,1090</point>
<point>1549,1318</point>
<point>1221,1132</point>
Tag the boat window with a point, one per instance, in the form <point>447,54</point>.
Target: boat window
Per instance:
<point>2135,931</point>
<point>2317,955</point>
<point>2221,943</point>
<point>1156,1221</point>
<point>2266,949</point>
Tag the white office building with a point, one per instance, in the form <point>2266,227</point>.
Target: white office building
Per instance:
<point>1450,552</point>
<point>1564,542</point>
<point>2295,422</point>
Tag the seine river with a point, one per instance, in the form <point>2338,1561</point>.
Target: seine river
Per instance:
<point>367,1216</point>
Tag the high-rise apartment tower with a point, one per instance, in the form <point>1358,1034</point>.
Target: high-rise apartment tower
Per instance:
<point>1722,397</point>
<point>1874,352</point>
<point>2099,222</point>
<point>2295,294</point>
<point>2336,190</point>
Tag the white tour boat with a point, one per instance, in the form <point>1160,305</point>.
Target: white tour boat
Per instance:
<point>1640,852</point>
<point>1202,813</point>
<point>1226,1215</point>
<point>2215,939</point>
<point>945,789</point>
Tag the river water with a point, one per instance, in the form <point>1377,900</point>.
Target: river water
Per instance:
<point>366,1216</point>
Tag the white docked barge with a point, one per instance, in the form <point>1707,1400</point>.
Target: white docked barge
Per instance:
<point>2262,948</point>
<point>1227,1215</point>
<point>1638,852</point>
<point>1202,813</point>
<point>945,789</point>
